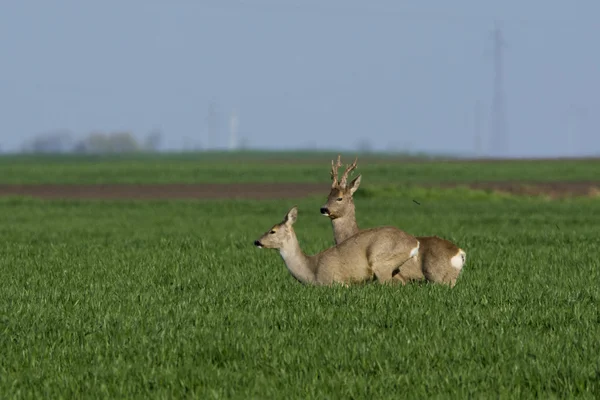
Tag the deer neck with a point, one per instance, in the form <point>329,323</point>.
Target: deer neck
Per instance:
<point>299,264</point>
<point>344,227</point>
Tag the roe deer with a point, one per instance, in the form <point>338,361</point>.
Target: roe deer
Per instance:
<point>439,260</point>
<point>371,253</point>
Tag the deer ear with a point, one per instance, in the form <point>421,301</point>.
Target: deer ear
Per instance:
<point>291,216</point>
<point>354,184</point>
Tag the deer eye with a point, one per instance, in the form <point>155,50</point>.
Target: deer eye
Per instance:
<point>339,199</point>
<point>272,232</point>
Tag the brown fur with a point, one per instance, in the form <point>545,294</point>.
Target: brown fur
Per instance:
<point>372,253</point>
<point>434,262</point>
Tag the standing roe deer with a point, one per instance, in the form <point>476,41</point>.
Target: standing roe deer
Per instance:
<point>439,260</point>
<point>373,252</point>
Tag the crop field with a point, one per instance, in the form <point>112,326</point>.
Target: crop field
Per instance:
<point>280,168</point>
<point>156,297</point>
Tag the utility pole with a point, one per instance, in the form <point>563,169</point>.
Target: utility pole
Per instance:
<point>499,139</point>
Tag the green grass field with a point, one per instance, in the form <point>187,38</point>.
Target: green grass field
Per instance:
<point>277,167</point>
<point>169,299</point>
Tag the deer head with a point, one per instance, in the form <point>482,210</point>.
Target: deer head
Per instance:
<point>339,201</point>
<point>281,234</point>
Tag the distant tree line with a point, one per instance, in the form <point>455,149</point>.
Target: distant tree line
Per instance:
<point>94,143</point>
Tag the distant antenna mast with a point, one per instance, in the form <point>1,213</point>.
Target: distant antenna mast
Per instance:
<point>233,128</point>
<point>499,129</point>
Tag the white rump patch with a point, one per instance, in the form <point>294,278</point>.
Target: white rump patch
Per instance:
<point>415,252</point>
<point>458,260</point>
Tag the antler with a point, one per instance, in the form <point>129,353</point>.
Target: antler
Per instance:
<point>349,169</point>
<point>334,171</point>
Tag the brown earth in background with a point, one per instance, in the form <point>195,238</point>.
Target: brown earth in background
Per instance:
<point>266,190</point>
<point>549,189</point>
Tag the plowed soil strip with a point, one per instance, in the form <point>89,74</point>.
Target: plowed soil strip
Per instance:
<point>551,189</point>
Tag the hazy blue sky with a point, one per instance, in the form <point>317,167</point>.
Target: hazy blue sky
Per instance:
<point>308,73</point>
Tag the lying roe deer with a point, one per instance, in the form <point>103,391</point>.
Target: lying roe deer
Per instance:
<point>439,260</point>
<point>370,253</point>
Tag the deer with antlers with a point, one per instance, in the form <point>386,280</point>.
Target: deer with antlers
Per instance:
<point>371,253</point>
<point>438,261</point>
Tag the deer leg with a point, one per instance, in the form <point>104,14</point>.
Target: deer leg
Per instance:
<point>448,278</point>
<point>385,262</point>
<point>452,279</point>
<point>387,270</point>
<point>383,272</point>
<point>398,278</point>
<point>411,270</point>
